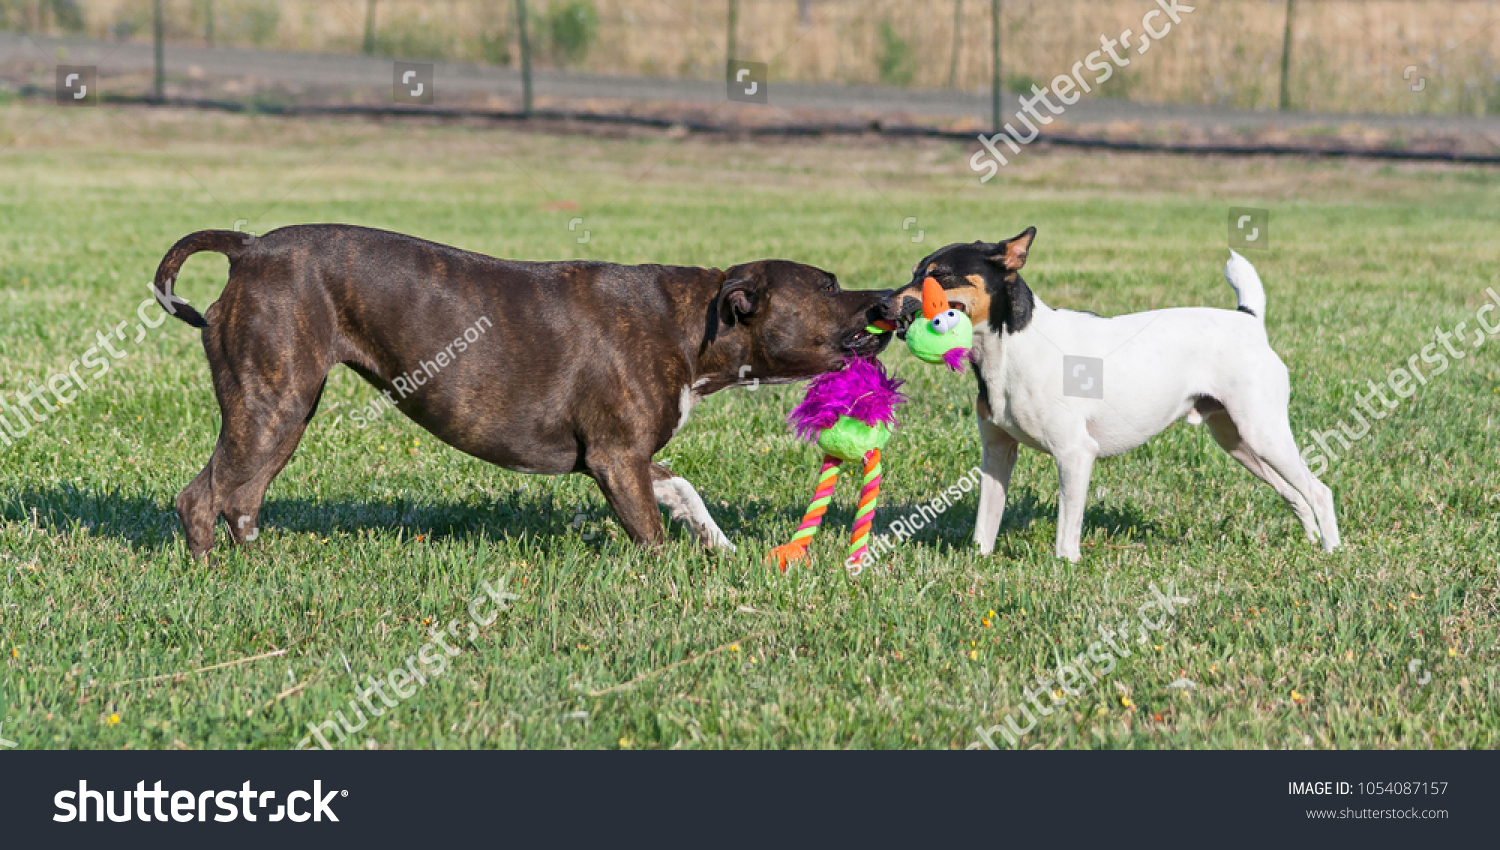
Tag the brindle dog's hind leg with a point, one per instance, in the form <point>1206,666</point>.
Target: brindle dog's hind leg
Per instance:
<point>268,391</point>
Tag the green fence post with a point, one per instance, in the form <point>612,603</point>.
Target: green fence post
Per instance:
<point>995,66</point>
<point>1286,60</point>
<point>158,34</point>
<point>958,17</point>
<point>734,19</point>
<point>369,27</point>
<point>525,57</point>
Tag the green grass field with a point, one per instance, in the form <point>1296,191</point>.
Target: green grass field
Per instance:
<point>374,534</point>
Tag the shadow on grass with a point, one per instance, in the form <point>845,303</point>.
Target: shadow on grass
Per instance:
<point>147,523</point>
<point>150,524</point>
<point>953,529</point>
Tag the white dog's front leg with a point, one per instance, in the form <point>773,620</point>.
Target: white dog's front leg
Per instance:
<point>1000,450</point>
<point>1074,470</point>
<point>677,495</point>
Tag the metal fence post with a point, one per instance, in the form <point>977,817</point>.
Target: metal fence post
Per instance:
<point>158,35</point>
<point>734,20</point>
<point>525,57</point>
<point>1286,60</point>
<point>958,21</point>
<point>995,66</point>
<point>369,28</point>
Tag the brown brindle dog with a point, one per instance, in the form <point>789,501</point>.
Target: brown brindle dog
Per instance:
<point>546,368</point>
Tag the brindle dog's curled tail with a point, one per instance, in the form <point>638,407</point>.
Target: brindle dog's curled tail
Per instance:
<point>227,242</point>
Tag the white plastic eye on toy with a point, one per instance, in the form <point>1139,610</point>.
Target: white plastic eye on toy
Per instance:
<point>944,322</point>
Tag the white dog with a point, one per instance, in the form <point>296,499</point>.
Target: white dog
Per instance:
<point>1079,387</point>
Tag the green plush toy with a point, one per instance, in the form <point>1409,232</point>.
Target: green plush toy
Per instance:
<point>851,439</point>
<point>944,335</point>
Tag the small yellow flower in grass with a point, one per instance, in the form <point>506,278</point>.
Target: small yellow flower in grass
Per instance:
<point>973,655</point>
<point>382,448</point>
<point>1125,701</point>
<point>985,622</point>
<point>1452,653</point>
<point>113,719</point>
<point>16,654</point>
<point>1297,698</point>
<point>734,647</point>
<point>1157,647</point>
<point>624,743</point>
<point>1057,694</point>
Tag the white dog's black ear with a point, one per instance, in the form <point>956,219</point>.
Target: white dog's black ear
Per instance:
<point>1012,252</point>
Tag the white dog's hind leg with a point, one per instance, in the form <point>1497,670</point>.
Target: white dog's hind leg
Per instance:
<point>1328,521</point>
<point>1074,469</point>
<point>1271,453</point>
<point>1000,450</point>
<point>1228,437</point>
<point>1283,457</point>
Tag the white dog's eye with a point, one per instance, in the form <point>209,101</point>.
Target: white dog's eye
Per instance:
<point>944,322</point>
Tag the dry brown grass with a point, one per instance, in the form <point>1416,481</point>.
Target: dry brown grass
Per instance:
<point>1348,56</point>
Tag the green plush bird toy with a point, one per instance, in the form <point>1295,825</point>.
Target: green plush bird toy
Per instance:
<point>944,335</point>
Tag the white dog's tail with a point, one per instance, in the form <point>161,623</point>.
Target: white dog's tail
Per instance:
<point>1241,275</point>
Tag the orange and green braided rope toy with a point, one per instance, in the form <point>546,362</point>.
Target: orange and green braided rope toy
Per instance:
<point>850,414</point>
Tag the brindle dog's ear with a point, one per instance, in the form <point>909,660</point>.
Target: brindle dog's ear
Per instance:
<point>739,298</point>
<point>1011,254</point>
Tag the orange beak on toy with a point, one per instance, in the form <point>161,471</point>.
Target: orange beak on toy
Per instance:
<point>934,300</point>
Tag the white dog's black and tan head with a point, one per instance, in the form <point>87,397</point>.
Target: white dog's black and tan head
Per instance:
<point>983,279</point>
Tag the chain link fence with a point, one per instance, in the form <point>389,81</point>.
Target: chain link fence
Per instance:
<point>1307,55</point>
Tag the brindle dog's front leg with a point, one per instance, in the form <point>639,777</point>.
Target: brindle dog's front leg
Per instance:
<point>625,478</point>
